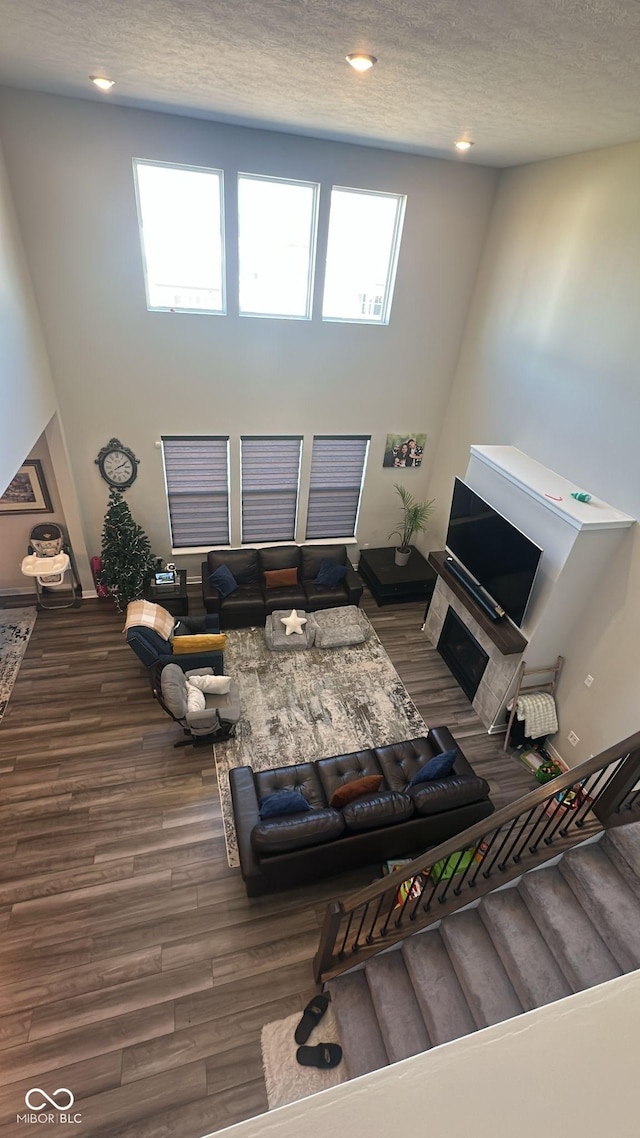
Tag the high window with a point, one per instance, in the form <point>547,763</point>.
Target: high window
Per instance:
<point>270,469</point>
<point>364,239</point>
<point>276,246</point>
<point>337,472</point>
<point>197,481</point>
<point>180,210</point>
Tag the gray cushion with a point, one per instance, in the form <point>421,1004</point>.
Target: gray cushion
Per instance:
<point>275,633</point>
<point>174,690</point>
<point>341,627</point>
<point>297,831</point>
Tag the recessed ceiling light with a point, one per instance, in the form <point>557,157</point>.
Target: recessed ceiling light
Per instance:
<point>462,144</point>
<point>361,62</point>
<point>101,82</point>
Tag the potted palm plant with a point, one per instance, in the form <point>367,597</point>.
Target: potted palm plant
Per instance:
<point>415,516</point>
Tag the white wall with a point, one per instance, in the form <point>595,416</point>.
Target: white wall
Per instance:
<point>549,364</point>
<point>120,370</point>
<point>15,528</point>
<point>27,397</point>
<point>568,1069</point>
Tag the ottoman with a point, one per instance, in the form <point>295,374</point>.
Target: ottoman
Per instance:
<point>275,633</point>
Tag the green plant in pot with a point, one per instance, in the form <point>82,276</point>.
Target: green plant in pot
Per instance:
<point>415,516</point>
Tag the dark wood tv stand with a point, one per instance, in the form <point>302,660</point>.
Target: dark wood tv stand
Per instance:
<point>502,633</point>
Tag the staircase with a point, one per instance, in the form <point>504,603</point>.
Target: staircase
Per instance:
<point>559,930</point>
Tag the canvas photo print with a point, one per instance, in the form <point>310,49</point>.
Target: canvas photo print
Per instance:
<point>403,451</point>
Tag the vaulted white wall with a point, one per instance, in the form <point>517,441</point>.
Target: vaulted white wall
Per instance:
<point>27,397</point>
<point>120,370</point>
<point>549,364</point>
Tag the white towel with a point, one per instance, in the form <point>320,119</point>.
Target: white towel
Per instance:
<point>539,714</point>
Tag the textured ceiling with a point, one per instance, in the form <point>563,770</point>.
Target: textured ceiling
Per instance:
<point>525,79</point>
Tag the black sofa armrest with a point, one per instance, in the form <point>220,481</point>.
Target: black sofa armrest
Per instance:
<point>246,816</point>
<point>442,740</point>
<point>210,595</point>
<point>353,585</point>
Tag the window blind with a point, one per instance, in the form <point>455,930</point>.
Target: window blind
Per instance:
<point>337,472</point>
<point>197,479</point>
<point>270,481</point>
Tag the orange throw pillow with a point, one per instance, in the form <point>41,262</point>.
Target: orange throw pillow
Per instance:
<point>357,788</point>
<point>204,642</point>
<point>276,578</point>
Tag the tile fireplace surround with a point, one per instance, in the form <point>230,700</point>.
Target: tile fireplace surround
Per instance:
<point>499,672</point>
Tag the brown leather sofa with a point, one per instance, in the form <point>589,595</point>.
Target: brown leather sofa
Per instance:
<point>395,821</point>
<point>253,600</point>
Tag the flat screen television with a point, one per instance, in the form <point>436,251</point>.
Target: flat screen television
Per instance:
<point>500,558</point>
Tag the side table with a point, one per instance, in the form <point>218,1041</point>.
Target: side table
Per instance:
<point>390,583</point>
<point>174,599</point>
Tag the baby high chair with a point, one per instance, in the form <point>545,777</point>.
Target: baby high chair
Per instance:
<point>48,561</point>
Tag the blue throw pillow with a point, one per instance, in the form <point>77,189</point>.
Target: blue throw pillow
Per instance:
<point>283,802</point>
<point>223,580</point>
<point>330,574</point>
<point>438,767</point>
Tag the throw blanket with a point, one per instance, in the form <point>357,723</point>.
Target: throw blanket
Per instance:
<point>539,714</point>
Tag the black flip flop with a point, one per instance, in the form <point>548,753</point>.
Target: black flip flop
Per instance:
<point>324,1055</point>
<point>312,1015</point>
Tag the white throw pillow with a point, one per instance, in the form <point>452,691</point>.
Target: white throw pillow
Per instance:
<point>195,699</point>
<point>293,624</point>
<point>216,685</point>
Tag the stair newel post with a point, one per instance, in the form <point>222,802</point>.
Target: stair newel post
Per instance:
<point>328,937</point>
<point>620,787</point>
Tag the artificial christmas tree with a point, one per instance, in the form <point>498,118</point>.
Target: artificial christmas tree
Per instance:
<point>127,560</point>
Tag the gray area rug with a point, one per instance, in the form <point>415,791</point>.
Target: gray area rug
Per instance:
<point>285,1079</point>
<point>16,626</point>
<point>300,706</point>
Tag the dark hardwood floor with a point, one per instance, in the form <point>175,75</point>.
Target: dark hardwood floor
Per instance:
<point>133,968</point>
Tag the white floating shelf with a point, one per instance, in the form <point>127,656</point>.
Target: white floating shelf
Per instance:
<point>551,489</point>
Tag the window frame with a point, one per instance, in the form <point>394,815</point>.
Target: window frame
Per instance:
<point>310,489</point>
<point>252,542</point>
<point>313,244</point>
<point>392,266</point>
<point>213,542</point>
<point>222,311</point>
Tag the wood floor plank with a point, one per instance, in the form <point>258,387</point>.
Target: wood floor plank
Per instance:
<point>88,1077</point>
<point>128,948</point>
<point>29,1059</point>
<point>68,982</point>
<point>94,1006</point>
<point>201,1040</point>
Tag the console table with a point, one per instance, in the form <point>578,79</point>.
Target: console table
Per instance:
<point>173,598</point>
<point>390,583</point>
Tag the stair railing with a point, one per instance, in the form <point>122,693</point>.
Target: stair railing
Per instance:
<point>597,794</point>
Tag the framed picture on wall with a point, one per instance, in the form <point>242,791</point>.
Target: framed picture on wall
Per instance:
<point>404,451</point>
<point>27,493</point>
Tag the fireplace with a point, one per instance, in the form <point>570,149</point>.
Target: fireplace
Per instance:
<point>462,654</point>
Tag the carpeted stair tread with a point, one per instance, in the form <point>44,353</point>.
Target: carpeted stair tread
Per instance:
<point>487,988</point>
<point>527,959</point>
<point>622,846</point>
<point>399,1017</point>
<point>362,1044</point>
<point>437,988</point>
<point>607,900</point>
<point>577,946</point>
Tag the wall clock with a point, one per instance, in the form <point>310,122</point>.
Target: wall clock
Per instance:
<point>118,465</point>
